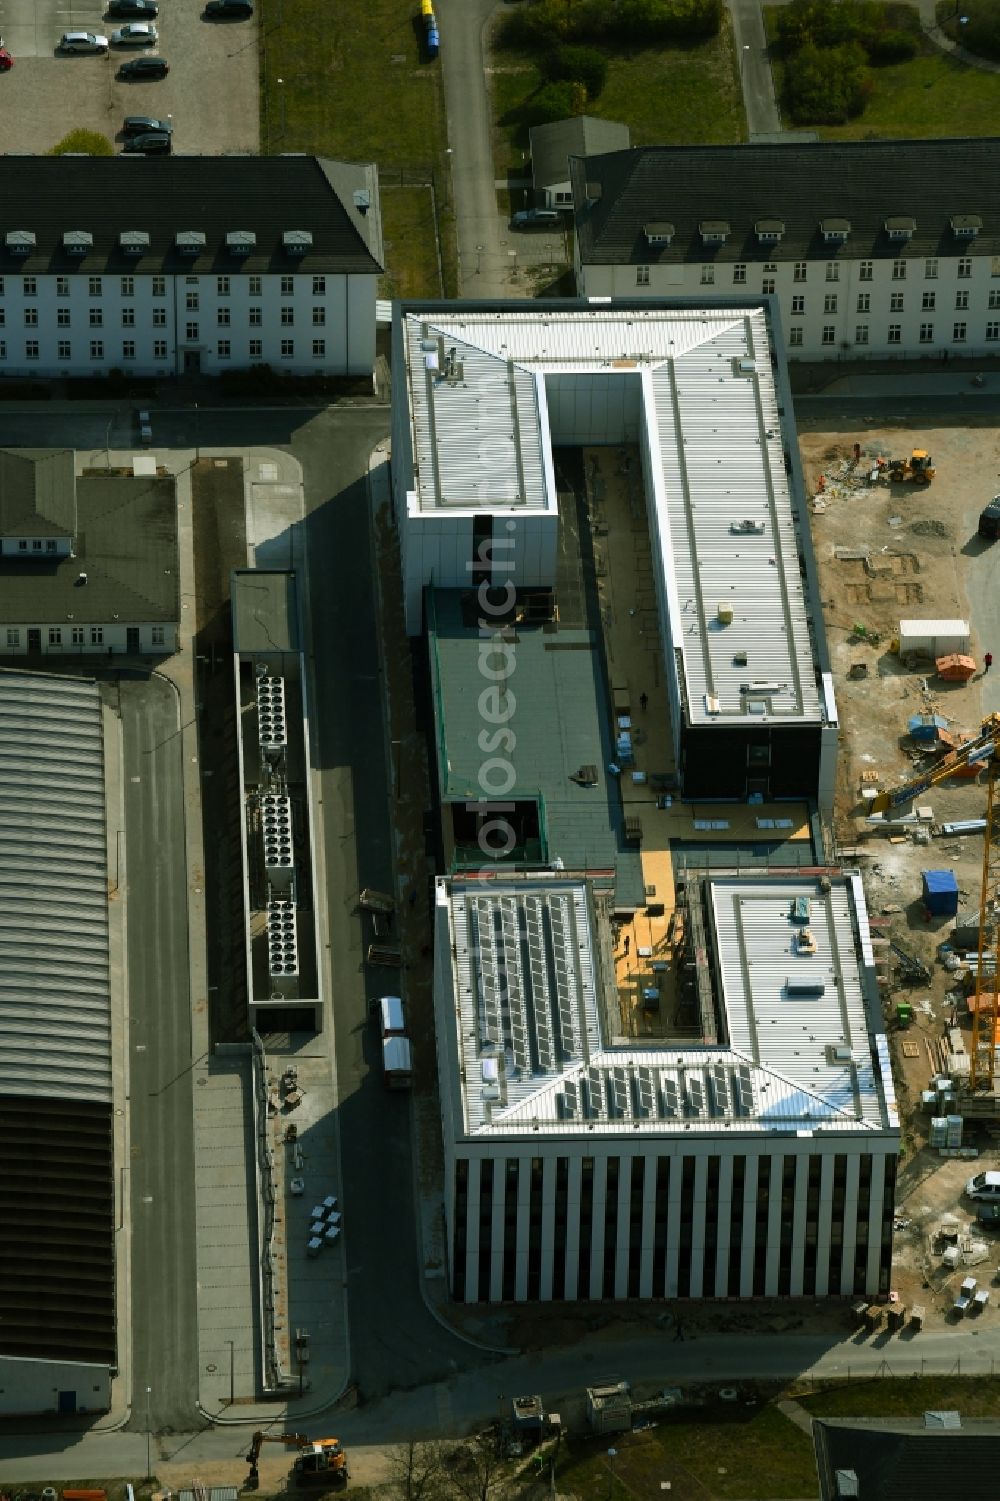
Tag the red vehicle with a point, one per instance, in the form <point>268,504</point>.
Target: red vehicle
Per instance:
<point>6,61</point>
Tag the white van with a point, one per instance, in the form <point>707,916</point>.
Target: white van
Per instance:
<point>984,1186</point>
<point>388,1011</point>
<point>397,1063</point>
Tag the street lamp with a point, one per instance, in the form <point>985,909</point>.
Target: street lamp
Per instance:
<point>149,1469</point>
<point>232,1371</point>
<point>612,1456</point>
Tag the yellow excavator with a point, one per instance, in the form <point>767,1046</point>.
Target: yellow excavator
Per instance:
<point>320,1461</point>
<point>919,468</point>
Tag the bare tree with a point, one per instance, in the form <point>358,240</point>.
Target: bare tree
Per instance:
<point>416,1473</point>
<point>476,1471</point>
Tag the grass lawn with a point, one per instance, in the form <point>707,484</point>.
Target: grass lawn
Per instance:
<point>932,95</point>
<point>765,1456</point>
<point>410,245</point>
<point>907,1397</point>
<point>677,95</point>
<point>356,87</point>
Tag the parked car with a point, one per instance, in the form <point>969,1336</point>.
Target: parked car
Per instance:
<point>143,10</point>
<point>153,143</point>
<point>82,41</point>
<point>136,34</point>
<point>145,428</point>
<point>989,520</point>
<point>984,1186</point>
<point>535,218</point>
<point>228,10</point>
<point>6,61</point>
<point>988,1214</point>
<point>140,125</point>
<point>138,68</point>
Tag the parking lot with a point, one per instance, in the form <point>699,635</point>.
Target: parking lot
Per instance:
<point>211,91</point>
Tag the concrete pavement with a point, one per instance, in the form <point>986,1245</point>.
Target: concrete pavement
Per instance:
<point>756,78</point>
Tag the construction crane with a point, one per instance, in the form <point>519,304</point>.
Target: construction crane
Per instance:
<point>318,1459</point>
<point>981,750</point>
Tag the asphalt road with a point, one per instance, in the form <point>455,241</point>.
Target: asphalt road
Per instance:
<point>163,1271</point>
<point>755,68</point>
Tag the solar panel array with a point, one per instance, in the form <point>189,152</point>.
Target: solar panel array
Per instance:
<point>717,1091</point>
<point>567,983</point>
<point>517,1007</point>
<point>541,990</point>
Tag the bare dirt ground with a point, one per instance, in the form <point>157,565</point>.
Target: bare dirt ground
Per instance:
<point>908,546</point>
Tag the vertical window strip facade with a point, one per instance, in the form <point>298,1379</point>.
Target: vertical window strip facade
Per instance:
<point>684,1239</point>
<point>559,1220</point>
<point>460,1221</point>
<point>636,1224</point>
<point>884,1270</point>
<point>534,1278</point>
<point>814,1178</point>
<point>660,1216</point>
<point>485,1228</point>
<point>511,1179</point>
<point>610,1228</point>
<point>731,1285</point>
<point>839,1202</point>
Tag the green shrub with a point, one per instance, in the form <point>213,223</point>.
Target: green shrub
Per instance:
<point>555,101</point>
<point>826,87</point>
<point>578,64</point>
<point>982,32</point>
<point>552,23</point>
<point>83,142</point>
<point>892,47</point>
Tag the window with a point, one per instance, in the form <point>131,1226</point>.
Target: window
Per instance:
<point>62,317</point>
<point>255,317</point>
<point>798,305</point>
<point>96,317</point>
<point>794,338</point>
<point>895,335</point>
<point>128,286</point>
<point>965,266</point>
<point>861,333</point>
<point>190,281</point>
<point>77,635</point>
<point>22,545</point>
<point>224,349</point>
<point>30,287</point>
<point>708,276</point>
<point>222,286</point>
<point>31,317</point>
<point>864,302</point>
<point>994,267</point>
<point>159,286</point>
<point>641,280</point>
<point>830,302</point>
<point>31,349</point>
<point>191,302</point>
<point>64,350</point>
<point>931,268</point>
<point>799,273</point>
<point>829,333</point>
<point>256,349</point>
<point>255,285</point>
<point>156,635</point>
<point>767,285</point>
<point>833,270</point>
<point>128,349</point>
<point>97,635</point>
<point>287,348</point>
<point>994,298</point>
<point>865,271</point>
<point>13,636</point>
<point>36,544</point>
<point>94,286</point>
<point>190,330</point>
<point>319,316</point>
<point>770,268</point>
<point>899,270</point>
<point>50,544</point>
<point>319,286</point>
<point>159,349</point>
<point>739,274</point>
<point>958,331</point>
<point>55,635</point>
<point>319,349</point>
<point>159,317</point>
<point>895,302</point>
<point>97,349</point>
<point>3,317</point>
<point>3,349</point>
<point>287,317</point>
<point>62,286</point>
<point>992,332</point>
<point>928,302</point>
<point>222,316</point>
<point>287,286</point>
<point>961,301</point>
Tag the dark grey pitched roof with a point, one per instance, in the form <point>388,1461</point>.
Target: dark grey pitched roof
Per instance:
<point>800,184</point>
<point>214,195</point>
<point>895,1466</point>
<point>582,135</point>
<point>126,544</point>
<point>37,493</point>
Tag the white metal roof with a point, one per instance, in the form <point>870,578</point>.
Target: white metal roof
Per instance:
<point>55,1008</point>
<point>531,1040</point>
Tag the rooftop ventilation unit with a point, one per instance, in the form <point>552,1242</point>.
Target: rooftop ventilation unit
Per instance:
<point>282,945</point>
<point>276,830</point>
<point>836,1054</point>
<point>240,241</point>
<point>189,242</point>
<point>272,725</point>
<point>78,241</point>
<point>804,985</point>
<point>747,528</point>
<point>966,226</point>
<point>133,242</point>
<point>362,200</point>
<point>900,227</point>
<point>20,241</point>
<point>296,241</point>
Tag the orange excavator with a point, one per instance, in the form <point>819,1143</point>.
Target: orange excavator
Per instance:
<point>319,1461</point>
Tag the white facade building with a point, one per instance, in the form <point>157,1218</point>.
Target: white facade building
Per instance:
<point>873,249</point>
<point>210,264</point>
<point>584,1165</point>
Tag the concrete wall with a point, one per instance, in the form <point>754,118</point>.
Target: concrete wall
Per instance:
<point>590,408</point>
<point>41,549</point>
<point>67,640</point>
<point>36,1386</point>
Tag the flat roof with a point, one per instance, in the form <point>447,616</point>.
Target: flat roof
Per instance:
<point>721,504</point>
<point>265,612</point>
<point>530,1046</point>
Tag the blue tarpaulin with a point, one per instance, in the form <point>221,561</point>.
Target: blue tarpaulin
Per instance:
<point>940,892</point>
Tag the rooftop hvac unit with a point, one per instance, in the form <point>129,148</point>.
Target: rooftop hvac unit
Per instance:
<point>276,832</point>
<point>282,943</point>
<point>272,726</point>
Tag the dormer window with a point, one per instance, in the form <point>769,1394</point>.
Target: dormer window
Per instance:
<point>714,231</point>
<point>769,231</point>
<point>240,241</point>
<point>835,231</point>
<point>133,242</point>
<point>190,242</point>
<point>20,241</point>
<point>296,241</point>
<point>78,242</point>
<point>966,226</point>
<point>658,233</point>
<point>900,228</point>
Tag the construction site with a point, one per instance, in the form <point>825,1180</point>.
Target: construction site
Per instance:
<point>904,570</point>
